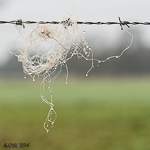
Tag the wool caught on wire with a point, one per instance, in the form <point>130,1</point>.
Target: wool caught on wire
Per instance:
<point>46,47</point>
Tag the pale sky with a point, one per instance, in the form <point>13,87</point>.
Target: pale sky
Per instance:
<point>84,10</point>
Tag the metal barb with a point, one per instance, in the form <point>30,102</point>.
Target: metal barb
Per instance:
<point>123,23</point>
<point>67,22</point>
<point>20,22</point>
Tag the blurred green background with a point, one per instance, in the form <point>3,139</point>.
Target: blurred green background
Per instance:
<point>108,110</point>
<point>109,113</point>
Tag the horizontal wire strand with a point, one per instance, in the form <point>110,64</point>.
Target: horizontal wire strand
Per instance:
<point>66,22</point>
<point>78,22</point>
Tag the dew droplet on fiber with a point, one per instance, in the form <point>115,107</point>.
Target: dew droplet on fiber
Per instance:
<point>47,131</point>
<point>85,44</point>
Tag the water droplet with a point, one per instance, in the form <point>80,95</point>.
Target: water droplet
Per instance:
<point>25,77</point>
<point>49,87</point>
<point>66,83</point>
<point>86,53</point>
<point>47,130</point>
<point>117,56</point>
<point>33,79</point>
<point>99,61</point>
<point>86,75</point>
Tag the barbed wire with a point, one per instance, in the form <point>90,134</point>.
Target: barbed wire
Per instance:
<point>121,23</point>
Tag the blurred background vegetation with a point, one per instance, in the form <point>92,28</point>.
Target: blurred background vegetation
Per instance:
<point>109,109</point>
<point>134,62</point>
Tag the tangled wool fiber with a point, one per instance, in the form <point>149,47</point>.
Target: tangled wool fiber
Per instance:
<point>63,42</point>
<point>46,48</point>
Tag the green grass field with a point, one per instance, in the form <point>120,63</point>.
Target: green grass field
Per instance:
<point>92,114</point>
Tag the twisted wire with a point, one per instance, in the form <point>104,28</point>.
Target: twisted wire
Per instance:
<point>121,23</point>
